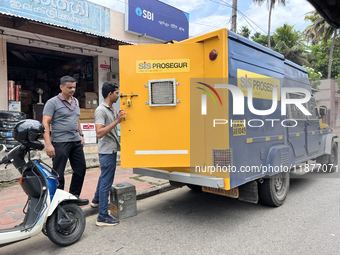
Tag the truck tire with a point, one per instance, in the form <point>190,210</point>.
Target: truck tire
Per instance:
<point>273,191</point>
<point>333,159</point>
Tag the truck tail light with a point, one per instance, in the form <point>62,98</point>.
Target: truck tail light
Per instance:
<point>213,55</point>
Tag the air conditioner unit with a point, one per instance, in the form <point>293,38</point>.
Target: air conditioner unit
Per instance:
<point>113,77</point>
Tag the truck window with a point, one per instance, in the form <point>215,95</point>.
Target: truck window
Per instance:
<point>292,111</point>
<point>312,108</point>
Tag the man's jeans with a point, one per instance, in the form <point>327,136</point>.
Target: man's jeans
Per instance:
<point>108,169</point>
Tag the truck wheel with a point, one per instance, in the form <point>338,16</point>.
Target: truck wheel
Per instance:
<point>195,188</point>
<point>333,159</point>
<point>71,233</point>
<point>273,191</point>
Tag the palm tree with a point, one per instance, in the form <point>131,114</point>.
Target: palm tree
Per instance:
<point>321,30</point>
<point>287,34</point>
<point>245,32</point>
<point>310,35</point>
<point>289,43</point>
<point>271,4</point>
<point>295,54</point>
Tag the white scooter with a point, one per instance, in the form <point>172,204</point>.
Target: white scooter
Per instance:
<point>53,211</point>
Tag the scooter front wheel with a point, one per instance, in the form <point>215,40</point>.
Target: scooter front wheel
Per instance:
<point>66,229</point>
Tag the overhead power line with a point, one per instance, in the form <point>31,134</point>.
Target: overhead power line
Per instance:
<point>246,18</point>
<point>223,24</point>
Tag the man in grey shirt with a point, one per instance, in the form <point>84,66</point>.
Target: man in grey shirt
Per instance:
<point>66,140</point>
<point>107,119</point>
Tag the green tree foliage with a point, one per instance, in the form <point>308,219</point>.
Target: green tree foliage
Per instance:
<point>288,35</point>
<point>289,43</point>
<point>309,34</point>
<point>337,79</point>
<point>271,5</point>
<point>321,62</point>
<point>314,77</point>
<point>294,54</point>
<point>263,39</point>
<point>321,30</point>
<point>245,32</point>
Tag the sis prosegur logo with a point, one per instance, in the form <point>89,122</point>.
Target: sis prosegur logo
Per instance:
<point>163,66</point>
<point>253,85</point>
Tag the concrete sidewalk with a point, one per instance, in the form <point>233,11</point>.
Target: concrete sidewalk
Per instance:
<point>13,198</point>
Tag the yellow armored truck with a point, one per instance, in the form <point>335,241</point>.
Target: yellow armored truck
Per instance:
<point>221,114</point>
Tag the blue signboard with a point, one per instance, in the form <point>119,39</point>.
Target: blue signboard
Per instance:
<point>75,14</point>
<point>156,19</point>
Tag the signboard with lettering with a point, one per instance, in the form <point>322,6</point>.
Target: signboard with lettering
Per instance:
<point>80,15</point>
<point>163,66</point>
<point>155,19</point>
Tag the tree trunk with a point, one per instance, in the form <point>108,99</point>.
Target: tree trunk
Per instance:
<point>331,55</point>
<point>269,20</point>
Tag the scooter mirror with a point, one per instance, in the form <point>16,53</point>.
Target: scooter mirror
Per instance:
<point>2,148</point>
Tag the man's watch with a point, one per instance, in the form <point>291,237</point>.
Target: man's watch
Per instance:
<point>81,135</point>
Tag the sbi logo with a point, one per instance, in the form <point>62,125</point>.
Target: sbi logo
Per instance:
<point>146,14</point>
<point>144,65</point>
<point>139,11</point>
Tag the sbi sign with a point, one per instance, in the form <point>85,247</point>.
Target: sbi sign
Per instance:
<point>146,14</point>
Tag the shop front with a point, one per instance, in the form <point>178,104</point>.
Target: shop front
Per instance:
<point>41,41</point>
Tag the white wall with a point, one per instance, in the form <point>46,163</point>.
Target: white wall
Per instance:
<point>100,76</point>
<point>323,96</point>
<point>3,75</point>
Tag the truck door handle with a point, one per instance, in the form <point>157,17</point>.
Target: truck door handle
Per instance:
<point>128,95</point>
<point>128,100</point>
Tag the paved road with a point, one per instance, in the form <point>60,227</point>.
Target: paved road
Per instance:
<point>184,222</point>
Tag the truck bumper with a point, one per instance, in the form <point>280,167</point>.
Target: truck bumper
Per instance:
<point>186,178</point>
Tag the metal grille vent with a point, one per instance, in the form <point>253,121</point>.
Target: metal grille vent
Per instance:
<point>222,157</point>
<point>162,92</point>
<point>284,158</point>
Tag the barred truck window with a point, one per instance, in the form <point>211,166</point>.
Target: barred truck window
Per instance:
<point>162,92</point>
<point>293,112</point>
<point>312,108</point>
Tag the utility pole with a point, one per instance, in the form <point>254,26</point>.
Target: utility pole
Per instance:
<point>234,16</point>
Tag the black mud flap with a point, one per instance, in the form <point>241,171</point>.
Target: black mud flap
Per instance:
<point>249,192</point>
<point>177,184</point>
<point>323,159</point>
